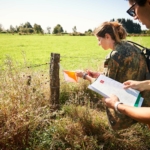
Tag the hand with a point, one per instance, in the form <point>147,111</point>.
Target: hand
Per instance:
<point>137,85</point>
<point>79,73</point>
<point>93,74</point>
<point>110,102</point>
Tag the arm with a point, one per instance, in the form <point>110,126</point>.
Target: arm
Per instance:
<point>84,75</point>
<point>89,78</point>
<point>93,74</point>
<point>141,114</point>
<point>138,85</point>
<point>89,75</point>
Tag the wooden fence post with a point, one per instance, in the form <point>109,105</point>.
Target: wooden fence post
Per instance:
<point>54,80</point>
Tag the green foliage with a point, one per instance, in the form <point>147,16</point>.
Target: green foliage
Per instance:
<point>129,25</point>
<point>49,30</point>
<point>38,28</point>
<point>28,29</point>
<point>58,29</point>
<point>27,25</point>
<point>1,28</point>
<point>12,29</point>
<point>89,32</point>
<point>74,29</point>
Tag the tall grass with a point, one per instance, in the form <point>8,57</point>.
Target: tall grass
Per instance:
<point>28,123</point>
<point>22,107</point>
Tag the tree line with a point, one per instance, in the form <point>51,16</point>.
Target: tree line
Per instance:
<point>27,28</point>
<point>130,26</point>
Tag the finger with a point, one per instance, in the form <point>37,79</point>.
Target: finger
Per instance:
<point>107,100</point>
<point>127,82</point>
<point>129,86</point>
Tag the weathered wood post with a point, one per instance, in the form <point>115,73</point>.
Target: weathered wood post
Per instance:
<point>54,80</point>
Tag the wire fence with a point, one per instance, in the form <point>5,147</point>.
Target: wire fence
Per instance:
<point>61,67</point>
<point>88,58</point>
<point>30,76</point>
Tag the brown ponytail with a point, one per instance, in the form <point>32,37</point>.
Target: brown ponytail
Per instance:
<point>114,29</point>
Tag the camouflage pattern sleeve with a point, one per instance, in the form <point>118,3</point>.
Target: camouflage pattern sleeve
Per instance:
<point>111,67</point>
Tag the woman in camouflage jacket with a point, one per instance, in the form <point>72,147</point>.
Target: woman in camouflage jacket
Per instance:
<point>125,62</point>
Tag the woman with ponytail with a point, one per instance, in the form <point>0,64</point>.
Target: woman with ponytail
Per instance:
<point>124,62</point>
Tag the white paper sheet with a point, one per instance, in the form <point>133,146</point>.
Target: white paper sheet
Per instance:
<point>106,86</point>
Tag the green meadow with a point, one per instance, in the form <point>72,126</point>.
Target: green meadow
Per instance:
<point>76,52</point>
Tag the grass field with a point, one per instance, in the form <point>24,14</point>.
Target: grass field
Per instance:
<point>26,120</point>
<point>76,52</point>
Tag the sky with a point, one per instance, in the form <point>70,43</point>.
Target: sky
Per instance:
<point>84,14</point>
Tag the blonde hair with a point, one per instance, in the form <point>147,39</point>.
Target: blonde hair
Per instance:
<point>114,29</point>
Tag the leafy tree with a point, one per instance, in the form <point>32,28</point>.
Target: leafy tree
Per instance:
<point>21,28</point>
<point>1,27</point>
<point>25,28</point>
<point>89,32</point>
<point>30,30</point>
<point>129,25</point>
<point>132,27</point>
<point>74,29</point>
<point>12,29</point>
<point>49,30</point>
<point>58,29</point>
<point>38,28</point>
<point>27,25</point>
<point>112,20</point>
<point>17,29</point>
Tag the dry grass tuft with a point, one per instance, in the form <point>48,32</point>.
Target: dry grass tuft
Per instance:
<point>22,107</point>
<point>26,121</point>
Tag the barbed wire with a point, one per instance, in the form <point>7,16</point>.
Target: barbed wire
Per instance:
<point>47,63</point>
<point>38,65</point>
<point>81,57</point>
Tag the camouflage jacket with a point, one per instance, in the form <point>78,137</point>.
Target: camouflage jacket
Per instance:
<point>124,63</point>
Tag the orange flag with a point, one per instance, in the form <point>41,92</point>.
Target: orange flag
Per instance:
<point>70,76</point>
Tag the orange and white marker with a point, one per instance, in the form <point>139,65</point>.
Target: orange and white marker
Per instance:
<point>70,76</point>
